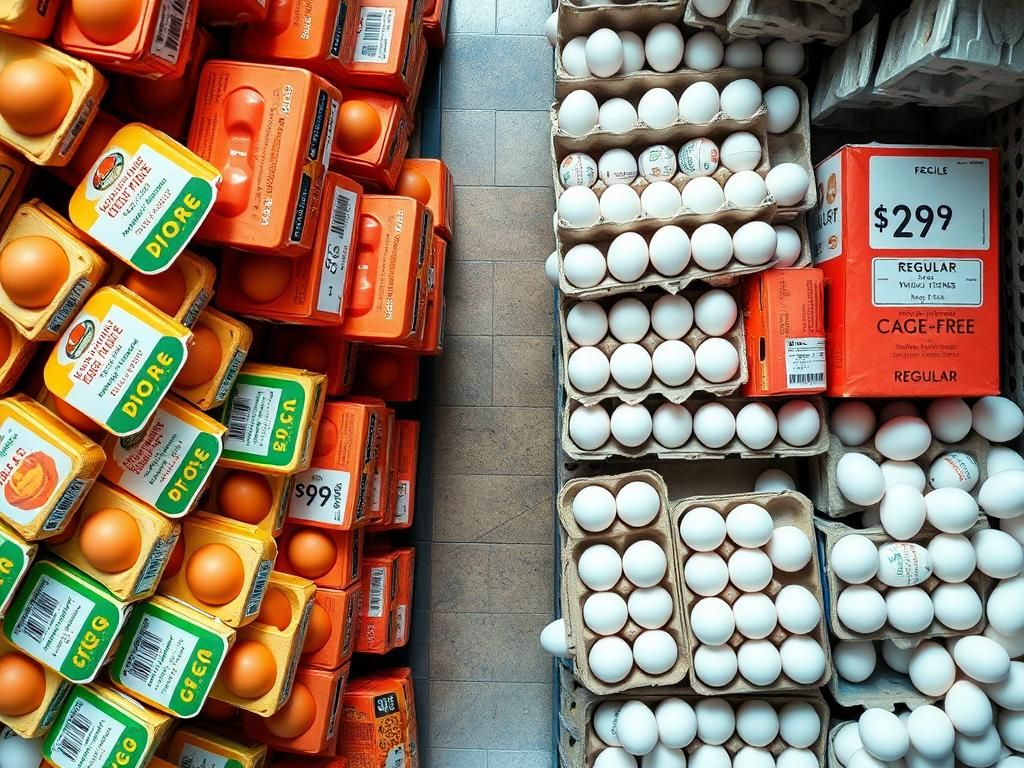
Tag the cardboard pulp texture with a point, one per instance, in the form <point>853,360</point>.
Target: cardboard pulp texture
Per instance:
<point>797,22</point>
<point>87,88</point>
<point>794,146</point>
<point>15,173</point>
<point>692,448</point>
<point>787,508</point>
<point>650,342</point>
<point>17,353</point>
<point>830,532</point>
<point>584,751</point>
<point>825,492</point>
<point>620,537</point>
<point>837,725</point>
<point>55,689</point>
<point>885,688</point>
<point>235,338</point>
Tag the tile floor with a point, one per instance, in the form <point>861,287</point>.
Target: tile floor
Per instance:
<point>488,686</point>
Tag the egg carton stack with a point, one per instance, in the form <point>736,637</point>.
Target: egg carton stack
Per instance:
<point>796,21</point>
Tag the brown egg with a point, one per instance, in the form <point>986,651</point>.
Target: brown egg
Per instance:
<point>22,684</point>
<point>215,574</point>
<point>110,540</point>
<point>165,291</point>
<point>106,21</point>
<point>204,358</point>
<point>249,669</point>
<point>310,355</point>
<point>318,631</point>
<point>264,278</point>
<point>244,496</point>
<point>312,553</point>
<point>296,716</point>
<point>415,185</point>
<point>358,127</point>
<point>35,96</point>
<point>32,270</point>
<point>275,610</point>
<point>71,415</point>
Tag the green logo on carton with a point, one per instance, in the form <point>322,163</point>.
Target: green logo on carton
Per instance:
<point>190,477</point>
<point>12,566</point>
<point>147,389</point>
<point>91,731</point>
<point>168,237</point>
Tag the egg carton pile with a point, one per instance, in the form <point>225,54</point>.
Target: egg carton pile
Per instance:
<point>796,21</point>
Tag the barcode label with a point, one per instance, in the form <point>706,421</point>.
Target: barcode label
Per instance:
<point>84,114</point>
<point>401,626</point>
<point>154,565</point>
<point>70,305</point>
<point>167,40</point>
<point>39,615</point>
<point>373,44</point>
<point>194,757</point>
<point>805,363</point>
<point>144,654</point>
<point>86,735</point>
<point>197,307</point>
<point>334,273</point>
<point>238,420</point>
<point>37,629</point>
<point>252,414</point>
<point>158,661</point>
<point>378,577</point>
<point>67,502</point>
<point>230,375</point>
<point>403,502</point>
<point>258,588</point>
<point>74,732</point>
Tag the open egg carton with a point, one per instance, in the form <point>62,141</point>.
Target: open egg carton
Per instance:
<point>619,536</point>
<point>830,752</point>
<point>794,146</point>
<point>578,18</point>
<point>825,490</point>
<point>787,508</point>
<point>674,394</point>
<point>884,688</point>
<point>830,532</point>
<point>792,20</point>
<point>692,449</point>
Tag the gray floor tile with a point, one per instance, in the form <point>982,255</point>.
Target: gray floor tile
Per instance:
<point>493,508</point>
<point>458,758</point>
<point>501,759</point>
<point>503,223</point>
<point>523,373</point>
<point>493,441</point>
<point>489,647</point>
<point>461,573</point>
<point>467,145</point>
<point>465,372</point>
<point>470,298</point>
<point>490,715</point>
<point>472,16</point>
<point>519,156</point>
<point>516,17</point>
<point>523,300</point>
<point>497,72</point>
<point>492,578</point>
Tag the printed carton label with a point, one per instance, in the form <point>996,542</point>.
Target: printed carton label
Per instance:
<point>263,416</point>
<point>805,363</point>
<point>91,732</point>
<point>334,271</point>
<point>31,472</point>
<point>320,495</point>
<point>927,282</point>
<point>373,43</point>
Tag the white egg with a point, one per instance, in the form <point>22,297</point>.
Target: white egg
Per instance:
<point>551,268</point>
<point>593,508</point>
<point>854,659</point>
<point>749,525</point>
<point>1008,693</point>
<point>853,422</point>
<point>672,316</point>
<point>903,564</point>
<point>579,207</point>
<point>632,52</point>
<point>895,408</point>
<point>1011,730</point>
<point>703,195</point>
<point>909,609</point>
<point>553,639</point>
<point>712,621</point>
<point>644,563</point>
<point>605,613</point>
<point>577,170</point>
<point>883,734</point>
<point>616,757</point>
<point>903,473</point>
<point>783,108</point>
<point>799,422</point>
<point>1002,495</point>
<point>741,151</point>
<point>672,425</point>
<point>796,758</point>
<point>637,503</point>
<point>604,53</point>
<point>953,557</point>
<point>954,470</point>
<point>702,529</point>
<point>617,116</point>
<point>978,751</point>
<point>677,723</point>
<point>788,246</point>
<point>756,426</point>
<point>706,573</point>
<point>982,658</point>
<point>756,617</point>
<point>788,183</point>
<point>957,606</point>
<point>637,728</point>
<point>798,609</point>
<point>663,47</point>
<point>999,554</point>
<point>631,366</point>
<point>655,651</point>
<point>714,425</point>
<point>657,163</point>
<point>968,708</point>
<point>628,257</point>
<point>716,721</point>
<point>599,567</point>
<point>674,363</point>
<point>620,204</point>
<point>708,756</point>
<point>930,731</point>
<point>854,558</point>
<point>949,419</point>
<point>699,103</point>
<point>789,549</point>
<point>741,99</point>
<point>551,28</point>
<point>617,166</point>
<point>588,369</point>
<point>931,668</point>
<point>670,250</point>
<point>711,246</point>
<point>715,666</point>
<point>773,480</point>
<point>586,323</point>
<point>759,662</point>
<point>997,419</point>
<point>1003,607</point>
<point>590,427</point>
<point>631,425</point>
<point>578,113</point>
<point>803,660</point>
<point>903,438</point>
<point>1014,527</point>
<point>711,8</point>
<point>717,360</point>
<point>754,243</point>
<point>715,312</point>
<point>746,189</point>
<point>658,108</point>
<point>698,157</point>
<point>661,200</point>
<point>757,722</point>
<point>860,479</point>
<point>743,54</point>
<point>1001,458</point>
<point>704,52</point>
<point>951,510</point>
<point>846,742</point>
<point>584,265</point>
<point>629,320</point>
<point>861,609</point>
<point>664,757</point>
<point>574,57</point>
<point>611,661</point>
<point>651,607</point>
<point>750,570</point>
<point>902,511</point>
<point>784,58</point>
<point>16,752</point>
<point>799,724</point>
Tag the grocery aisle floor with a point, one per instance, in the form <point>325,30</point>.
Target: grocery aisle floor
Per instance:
<point>491,575</point>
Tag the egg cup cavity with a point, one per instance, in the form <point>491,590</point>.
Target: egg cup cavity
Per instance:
<point>87,89</point>
<point>348,558</point>
<point>797,22</point>
<point>344,606</point>
<point>794,146</point>
<point>574,594</point>
<point>38,721</point>
<point>85,271</point>
<point>200,277</point>
<point>693,449</point>
<point>836,727</point>
<point>232,752</point>
<point>824,482</point>
<point>787,508</point>
<point>280,491</point>
<point>885,688</point>
<point>235,338</point>
<point>830,532</point>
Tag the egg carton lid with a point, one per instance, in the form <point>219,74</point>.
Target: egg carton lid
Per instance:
<point>884,689</point>
<point>796,22</point>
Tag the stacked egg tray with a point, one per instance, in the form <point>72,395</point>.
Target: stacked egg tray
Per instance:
<point>825,491</point>
<point>792,20</point>
<point>693,339</point>
<point>830,751</point>
<point>574,592</point>
<point>693,449</point>
<point>578,18</point>
<point>787,509</point>
<point>830,532</point>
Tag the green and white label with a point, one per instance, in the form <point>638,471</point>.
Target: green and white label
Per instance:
<point>197,757</point>
<point>29,467</point>
<point>263,416</point>
<point>13,563</point>
<point>91,732</point>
